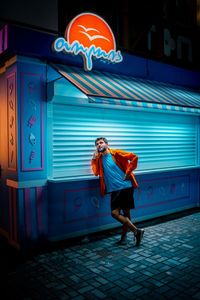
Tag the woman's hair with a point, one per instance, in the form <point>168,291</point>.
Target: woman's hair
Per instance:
<point>101,138</point>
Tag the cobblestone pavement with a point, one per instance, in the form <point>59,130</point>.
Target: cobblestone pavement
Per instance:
<point>165,266</point>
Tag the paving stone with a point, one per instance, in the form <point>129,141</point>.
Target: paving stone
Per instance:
<point>147,273</point>
<point>165,266</point>
<point>95,284</point>
<point>70,292</point>
<point>163,289</point>
<point>99,294</point>
<point>107,286</point>
<point>79,297</point>
<point>85,289</point>
<point>156,296</point>
<point>134,288</point>
<point>141,292</point>
<point>197,296</point>
<point>140,278</point>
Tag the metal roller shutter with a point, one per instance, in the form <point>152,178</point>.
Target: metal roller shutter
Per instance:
<point>162,141</point>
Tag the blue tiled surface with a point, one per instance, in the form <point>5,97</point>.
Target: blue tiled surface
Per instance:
<point>165,266</point>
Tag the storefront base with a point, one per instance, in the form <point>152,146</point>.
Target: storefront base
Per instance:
<point>26,222</point>
<point>77,209</point>
<point>39,213</point>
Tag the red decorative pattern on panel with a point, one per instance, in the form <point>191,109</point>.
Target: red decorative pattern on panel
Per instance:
<point>11,115</point>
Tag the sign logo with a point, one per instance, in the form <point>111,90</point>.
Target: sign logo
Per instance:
<point>91,37</point>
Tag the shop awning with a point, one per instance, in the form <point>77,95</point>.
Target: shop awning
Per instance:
<point>104,87</point>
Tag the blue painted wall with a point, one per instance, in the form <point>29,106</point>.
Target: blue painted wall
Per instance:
<point>77,208</point>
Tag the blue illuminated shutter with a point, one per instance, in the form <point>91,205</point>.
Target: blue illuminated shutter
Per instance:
<point>161,140</point>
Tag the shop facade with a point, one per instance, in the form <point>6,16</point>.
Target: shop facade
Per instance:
<point>51,111</point>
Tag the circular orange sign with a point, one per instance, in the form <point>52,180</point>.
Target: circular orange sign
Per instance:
<point>89,29</point>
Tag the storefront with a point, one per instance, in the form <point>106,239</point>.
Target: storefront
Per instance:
<point>51,111</point>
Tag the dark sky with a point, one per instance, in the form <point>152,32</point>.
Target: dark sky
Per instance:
<point>39,13</point>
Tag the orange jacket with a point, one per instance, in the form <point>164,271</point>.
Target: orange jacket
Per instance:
<point>126,161</point>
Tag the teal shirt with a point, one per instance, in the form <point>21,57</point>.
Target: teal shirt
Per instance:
<point>113,175</point>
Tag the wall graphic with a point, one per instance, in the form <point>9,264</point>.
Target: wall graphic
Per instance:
<point>158,192</point>
<point>32,133</point>
<point>11,111</point>
<point>83,204</point>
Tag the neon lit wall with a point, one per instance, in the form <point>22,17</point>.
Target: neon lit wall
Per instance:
<point>33,208</point>
<point>23,204</point>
